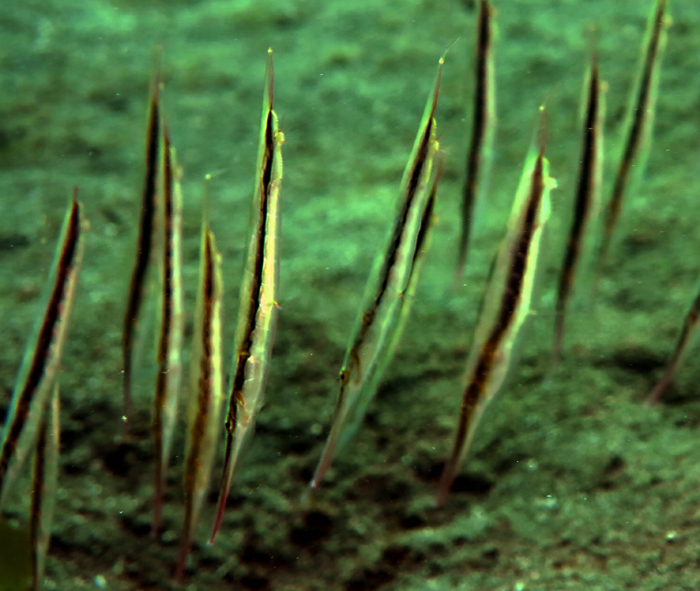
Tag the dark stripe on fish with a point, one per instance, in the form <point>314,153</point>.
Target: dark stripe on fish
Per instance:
<point>508,310</point>
<point>635,136</point>
<point>164,340</point>
<point>427,218</point>
<point>479,127</point>
<point>204,395</point>
<point>144,242</point>
<point>261,234</point>
<point>394,244</point>
<point>585,193</point>
<point>42,352</point>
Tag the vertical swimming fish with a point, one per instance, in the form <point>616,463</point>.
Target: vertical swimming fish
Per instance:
<point>483,119</point>
<point>405,298</point>
<point>144,244</point>
<point>396,322</point>
<point>41,359</point>
<point>257,313</point>
<point>640,122</point>
<point>44,488</point>
<point>586,198</point>
<point>168,379</point>
<point>379,323</point>
<point>505,308</point>
<point>689,326</point>
<point>206,392</point>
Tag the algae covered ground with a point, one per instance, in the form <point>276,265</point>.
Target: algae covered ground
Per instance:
<point>573,482</point>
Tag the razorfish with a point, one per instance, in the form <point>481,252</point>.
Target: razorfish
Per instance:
<point>506,305</point>
<point>690,324</point>
<point>144,244</point>
<point>37,374</point>
<point>483,123</point>
<point>640,121</point>
<point>385,303</point>
<point>206,392</point>
<point>172,326</point>
<point>587,197</point>
<point>257,314</point>
<point>44,482</point>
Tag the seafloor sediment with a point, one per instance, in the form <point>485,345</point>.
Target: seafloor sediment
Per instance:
<point>573,482</point>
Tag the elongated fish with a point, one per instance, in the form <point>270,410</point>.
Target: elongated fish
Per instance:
<point>403,306</point>
<point>483,119</point>
<point>144,244</point>
<point>44,488</point>
<point>640,123</point>
<point>40,363</point>
<point>690,324</point>
<point>169,377</point>
<point>206,392</point>
<point>395,325</point>
<point>257,314</point>
<point>586,198</point>
<point>505,307</point>
<point>379,323</point>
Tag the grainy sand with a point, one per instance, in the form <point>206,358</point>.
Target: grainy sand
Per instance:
<point>573,482</point>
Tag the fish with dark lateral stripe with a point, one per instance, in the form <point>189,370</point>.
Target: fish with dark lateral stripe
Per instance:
<point>37,374</point>
<point>383,311</point>
<point>206,392</point>
<point>640,117</point>
<point>144,243</point>
<point>586,199</point>
<point>506,305</point>
<point>483,124</point>
<point>172,326</point>
<point>257,314</point>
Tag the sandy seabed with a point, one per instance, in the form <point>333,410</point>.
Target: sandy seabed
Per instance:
<point>573,482</point>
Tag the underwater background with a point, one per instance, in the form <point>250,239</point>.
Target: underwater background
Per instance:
<point>573,481</point>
